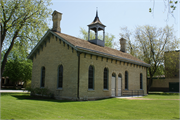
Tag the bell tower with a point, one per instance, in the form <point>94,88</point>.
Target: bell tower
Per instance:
<point>96,26</point>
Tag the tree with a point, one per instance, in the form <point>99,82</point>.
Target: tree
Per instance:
<point>23,22</point>
<point>172,64</point>
<point>18,69</point>
<point>149,43</point>
<point>170,6</point>
<point>108,37</point>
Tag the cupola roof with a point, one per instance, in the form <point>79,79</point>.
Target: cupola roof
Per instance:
<point>96,20</point>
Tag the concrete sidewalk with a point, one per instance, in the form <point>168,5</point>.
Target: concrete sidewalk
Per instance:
<point>128,96</point>
<point>10,91</point>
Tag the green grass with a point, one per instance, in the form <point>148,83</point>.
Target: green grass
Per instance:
<point>19,106</point>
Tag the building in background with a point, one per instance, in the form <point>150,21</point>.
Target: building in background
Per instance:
<point>170,81</point>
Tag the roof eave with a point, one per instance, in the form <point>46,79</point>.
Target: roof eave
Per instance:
<point>38,44</point>
<point>42,39</point>
<point>95,24</point>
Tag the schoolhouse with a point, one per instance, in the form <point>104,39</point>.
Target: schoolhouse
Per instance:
<point>76,69</point>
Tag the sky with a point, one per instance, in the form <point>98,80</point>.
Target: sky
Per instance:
<point>114,14</point>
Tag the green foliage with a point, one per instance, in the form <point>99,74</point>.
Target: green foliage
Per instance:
<point>23,106</point>
<point>23,24</point>
<point>27,84</point>
<point>108,37</point>
<point>27,17</point>
<point>160,70</point>
<point>18,69</point>
<point>172,64</point>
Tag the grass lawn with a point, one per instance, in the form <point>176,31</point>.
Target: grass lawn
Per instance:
<point>20,106</point>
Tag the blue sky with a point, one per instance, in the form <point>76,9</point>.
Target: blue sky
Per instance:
<point>114,14</point>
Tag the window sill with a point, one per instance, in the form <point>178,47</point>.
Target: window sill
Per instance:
<point>105,90</point>
<point>59,89</point>
<point>91,90</point>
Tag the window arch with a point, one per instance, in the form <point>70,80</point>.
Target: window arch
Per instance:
<point>113,75</point>
<point>119,75</point>
<point>126,80</point>
<point>141,81</point>
<point>91,77</point>
<point>60,76</point>
<point>42,76</point>
<point>106,78</point>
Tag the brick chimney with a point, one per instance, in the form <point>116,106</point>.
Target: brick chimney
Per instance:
<point>123,44</point>
<point>56,17</point>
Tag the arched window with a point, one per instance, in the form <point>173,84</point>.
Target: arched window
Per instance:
<point>141,81</point>
<point>42,76</point>
<point>126,80</point>
<point>60,76</point>
<point>105,78</point>
<point>91,78</point>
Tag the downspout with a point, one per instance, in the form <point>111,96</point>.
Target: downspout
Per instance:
<point>78,54</point>
<point>146,81</point>
<point>0,54</point>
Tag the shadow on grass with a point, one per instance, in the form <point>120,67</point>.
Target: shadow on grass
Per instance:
<point>26,96</point>
<point>163,93</point>
<point>176,118</point>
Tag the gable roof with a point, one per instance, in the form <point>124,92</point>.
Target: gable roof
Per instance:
<point>84,46</point>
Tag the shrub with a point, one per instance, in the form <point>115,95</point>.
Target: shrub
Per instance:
<point>43,92</point>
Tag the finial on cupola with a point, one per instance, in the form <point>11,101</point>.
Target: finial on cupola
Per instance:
<point>96,26</point>
<point>96,11</point>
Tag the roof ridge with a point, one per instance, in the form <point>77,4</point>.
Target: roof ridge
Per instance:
<point>99,46</point>
<point>73,36</point>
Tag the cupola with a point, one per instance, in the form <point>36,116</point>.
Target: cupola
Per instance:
<point>96,26</point>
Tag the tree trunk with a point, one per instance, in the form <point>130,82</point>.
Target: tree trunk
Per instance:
<point>5,57</point>
<point>8,51</point>
<point>149,83</point>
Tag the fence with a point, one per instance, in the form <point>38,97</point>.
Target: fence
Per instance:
<point>132,92</point>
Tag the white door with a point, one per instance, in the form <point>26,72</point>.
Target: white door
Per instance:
<point>119,86</point>
<point>113,84</point>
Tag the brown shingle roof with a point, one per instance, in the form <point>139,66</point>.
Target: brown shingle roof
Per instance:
<point>85,44</point>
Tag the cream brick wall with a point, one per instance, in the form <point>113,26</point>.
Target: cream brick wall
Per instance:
<point>117,68</point>
<point>53,55</point>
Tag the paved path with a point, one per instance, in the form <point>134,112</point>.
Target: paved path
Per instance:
<point>10,91</point>
<point>128,96</point>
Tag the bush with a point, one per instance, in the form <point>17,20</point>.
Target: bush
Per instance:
<point>44,92</point>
